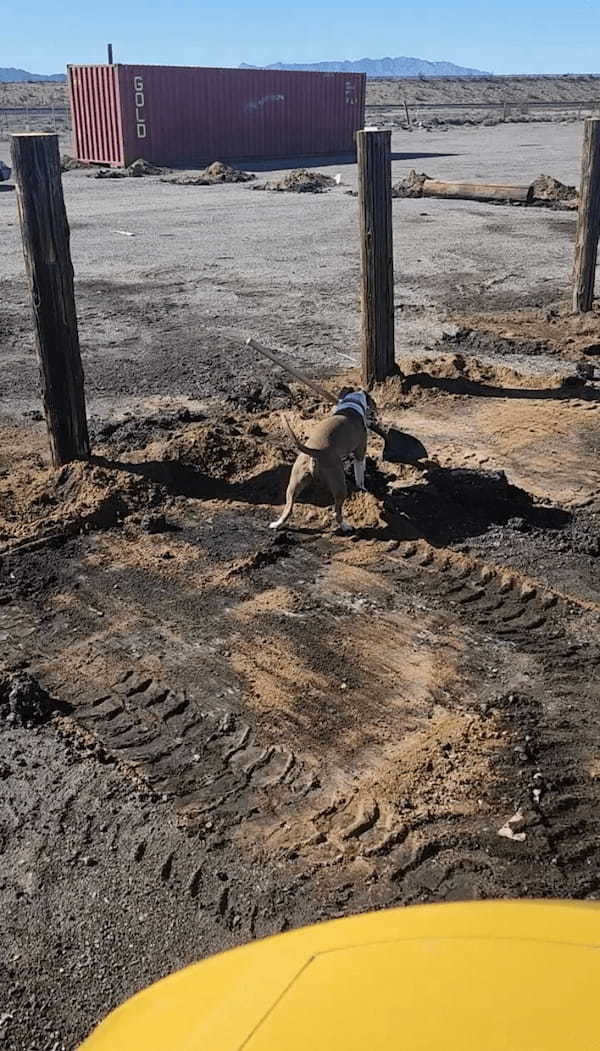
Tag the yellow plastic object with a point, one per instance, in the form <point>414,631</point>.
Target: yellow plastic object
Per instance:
<point>483,976</point>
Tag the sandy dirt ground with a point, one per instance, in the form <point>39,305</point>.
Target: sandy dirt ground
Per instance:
<point>235,732</point>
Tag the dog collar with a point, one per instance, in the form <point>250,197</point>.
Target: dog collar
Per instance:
<point>357,401</point>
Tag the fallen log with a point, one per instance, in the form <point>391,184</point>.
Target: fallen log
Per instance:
<point>466,191</point>
<point>542,191</point>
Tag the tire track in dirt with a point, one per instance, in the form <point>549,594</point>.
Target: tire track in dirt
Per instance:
<point>533,618</point>
<point>231,784</point>
<point>558,780</point>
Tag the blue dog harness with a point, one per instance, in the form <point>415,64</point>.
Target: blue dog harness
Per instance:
<point>357,401</point>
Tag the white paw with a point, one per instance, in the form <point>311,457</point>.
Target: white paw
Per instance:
<point>275,525</point>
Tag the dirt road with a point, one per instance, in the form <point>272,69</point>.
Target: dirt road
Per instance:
<point>247,732</point>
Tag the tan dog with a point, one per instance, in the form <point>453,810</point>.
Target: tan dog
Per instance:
<point>340,435</point>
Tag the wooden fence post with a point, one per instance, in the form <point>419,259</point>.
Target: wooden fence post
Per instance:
<point>45,232</point>
<point>375,208</point>
<point>588,219</point>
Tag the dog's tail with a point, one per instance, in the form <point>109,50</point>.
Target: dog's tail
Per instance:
<point>314,453</point>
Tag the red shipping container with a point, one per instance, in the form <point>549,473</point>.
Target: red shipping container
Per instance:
<point>187,115</point>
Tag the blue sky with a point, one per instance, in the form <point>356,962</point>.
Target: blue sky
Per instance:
<point>509,37</point>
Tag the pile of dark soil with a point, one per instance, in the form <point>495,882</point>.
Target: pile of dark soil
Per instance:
<point>23,702</point>
<point>472,341</point>
<point>69,164</point>
<point>533,330</point>
<point>411,186</point>
<point>261,397</point>
<point>584,536</point>
<point>110,173</point>
<point>216,173</point>
<point>141,167</point>
<point>135,170</point>
<point>135,432</point>
<point>301,180</point>
<point>546,188</point>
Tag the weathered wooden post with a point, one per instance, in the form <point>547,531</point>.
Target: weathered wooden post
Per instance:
<point>45,232</point>
<point>375,208</point>
<point>588,219</point>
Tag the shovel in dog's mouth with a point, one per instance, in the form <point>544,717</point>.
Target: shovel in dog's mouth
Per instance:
<point>400,447</point>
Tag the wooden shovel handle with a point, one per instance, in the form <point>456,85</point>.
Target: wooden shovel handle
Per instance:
<point>327,395</point>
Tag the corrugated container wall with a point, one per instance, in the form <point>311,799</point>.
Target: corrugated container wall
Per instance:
<point>186,115</point>
<point>96,114</point>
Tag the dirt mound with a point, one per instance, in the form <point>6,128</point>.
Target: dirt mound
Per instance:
<point>44,505</point>
<point>217,172</point>
<point>411,186</point>
<point>473,342</point>
<point>261,397</point>
<point>135,432</point>
<point>546,188</point>
<point>23,702</point>
<point>455,373</point>
<point>109,173</point>
<point>364,511</point>
<point>70,164</point>
<point>80,496</point>
<point>136,170</point>
<point>555,330</point>
<point>141,167</point>
<point>301,180</point>
<point>220,452</point>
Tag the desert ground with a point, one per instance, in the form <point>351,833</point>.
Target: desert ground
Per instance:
<point>238,732</point>
<point>569,89</point>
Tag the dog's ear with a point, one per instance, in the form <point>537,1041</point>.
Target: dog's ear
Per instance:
<point>371,406</point>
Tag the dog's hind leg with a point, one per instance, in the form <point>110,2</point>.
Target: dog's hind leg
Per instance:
<point>337,482</point>
<point>359,472</point>
<point>360,459</point>
<point>302,472</point>
<point>340,521</point>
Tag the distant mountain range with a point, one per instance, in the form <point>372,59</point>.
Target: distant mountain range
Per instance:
<point>11,76</point>
<point>381,67</point>
<point>373,67</point>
